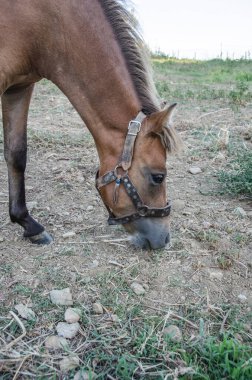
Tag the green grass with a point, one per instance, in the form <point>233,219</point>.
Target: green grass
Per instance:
<point>229,80</point>
<point>237,177</point>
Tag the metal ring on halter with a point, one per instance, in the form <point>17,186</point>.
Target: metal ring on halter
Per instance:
<point>120,166</point>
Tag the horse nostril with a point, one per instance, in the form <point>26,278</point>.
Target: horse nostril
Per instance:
<point>167,239</point>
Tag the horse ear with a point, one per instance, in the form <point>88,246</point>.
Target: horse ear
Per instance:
<point>158,120</point>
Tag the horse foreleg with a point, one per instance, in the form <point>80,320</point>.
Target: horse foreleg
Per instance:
<point>15,105</point>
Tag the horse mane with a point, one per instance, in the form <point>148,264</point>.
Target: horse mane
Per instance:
<point>127,33</point>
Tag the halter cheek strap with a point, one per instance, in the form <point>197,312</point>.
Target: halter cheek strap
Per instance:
<point>125,163</point>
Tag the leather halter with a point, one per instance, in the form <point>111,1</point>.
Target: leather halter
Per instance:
<point>125,163</point>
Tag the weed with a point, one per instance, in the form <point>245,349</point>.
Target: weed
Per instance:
<point>238,179</point>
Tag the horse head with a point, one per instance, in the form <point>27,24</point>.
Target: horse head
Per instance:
<point>135,191</point>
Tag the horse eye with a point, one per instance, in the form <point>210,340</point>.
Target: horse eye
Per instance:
<point>157,178</point>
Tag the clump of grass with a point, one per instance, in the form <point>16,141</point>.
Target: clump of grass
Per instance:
<point>238,179</point>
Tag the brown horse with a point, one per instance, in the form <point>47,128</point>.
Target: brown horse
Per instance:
<point>92,51</point>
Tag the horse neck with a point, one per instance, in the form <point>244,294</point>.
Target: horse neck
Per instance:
<point>88,66</point>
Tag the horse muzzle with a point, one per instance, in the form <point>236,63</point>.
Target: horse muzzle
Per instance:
<point>149,233</point>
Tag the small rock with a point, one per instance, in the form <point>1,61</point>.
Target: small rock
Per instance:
<point>194,170</point>
<point>1,239</point>
<point>114,318</point>
<point>85,375</point>
<point>61,297</point>
<point>69,363</point>
<point>67,330</point>
<point>97,308</point>
<point>178,204</point>
<point>25,312</point>
<point>216,275</point>
<point>56,342</point>
<point>90,208</point>
<point>174,333</point>
<point>240,212</point>
<point>94,264</point>
<point>72,315</point>
<point>242,298</point>
<point>137,288</point>
<point>31,205</point>
<point>68,234</point>
<point>206,225</point>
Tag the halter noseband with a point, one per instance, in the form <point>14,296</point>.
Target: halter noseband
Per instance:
<point>113,176</point>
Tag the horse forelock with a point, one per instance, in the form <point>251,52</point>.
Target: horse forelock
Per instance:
<point>126,31</point>
<point>170,139</point>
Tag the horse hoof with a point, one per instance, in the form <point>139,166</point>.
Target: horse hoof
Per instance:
<point>41,239</point>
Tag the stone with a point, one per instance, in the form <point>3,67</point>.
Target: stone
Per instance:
<point>90,208</point>
<point>240,212</point>
<point>94,264</point>
<point>195,170</point>
<point>137,288</point>
<point>173,333</point>
<point>72,315</point>
<point>178,204</point>
<point>56,342</point>
<point>1,239</point>
<point>67,330</point>
<point>68,234</point>
<point>206,225</point>
<point>242,298</point>
<point>69,363</point>
<point>25,312</point>
<point>97,308</point>
<point>114,318</point>
<point>61,297</point>
<point>85,375</point>
<point>31,205</point>
<point>216,275</point>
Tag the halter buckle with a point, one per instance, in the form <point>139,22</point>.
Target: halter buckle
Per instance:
<point>134,127</point>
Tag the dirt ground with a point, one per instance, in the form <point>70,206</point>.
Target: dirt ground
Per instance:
<point>210,259</point>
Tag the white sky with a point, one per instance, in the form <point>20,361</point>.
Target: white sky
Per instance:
<point>201,28</point>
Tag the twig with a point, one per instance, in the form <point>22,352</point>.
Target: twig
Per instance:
<point>175,316</point>
<point>212,112</point>
<point>20,323</point>
<point>224,321</point>
<point>20,366</point>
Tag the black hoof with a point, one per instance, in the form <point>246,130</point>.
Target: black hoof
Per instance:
<point>42,238</point>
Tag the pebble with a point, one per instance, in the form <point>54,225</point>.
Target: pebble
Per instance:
<point>94,264</point>
<point>242,298</point>
<point>178,204</point>
<point>206,225</point>
<point>68,234</point>
<point>1,239</point>
<point>240,212</point>
<point>67,330</point>
<point>97,308</point>
<point>25,312</point>
<point>69,363</point>
<point>31,205</point>
<point>173,333</point>
<point>137,288</point>
<point>61,297</point>
<point>216,275</point>
<point>85,375</point>
<point>56,342</point>
<point>72,315</point>
<point>90,208</point>
<point>194,170</point>
<point>114,318</point>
